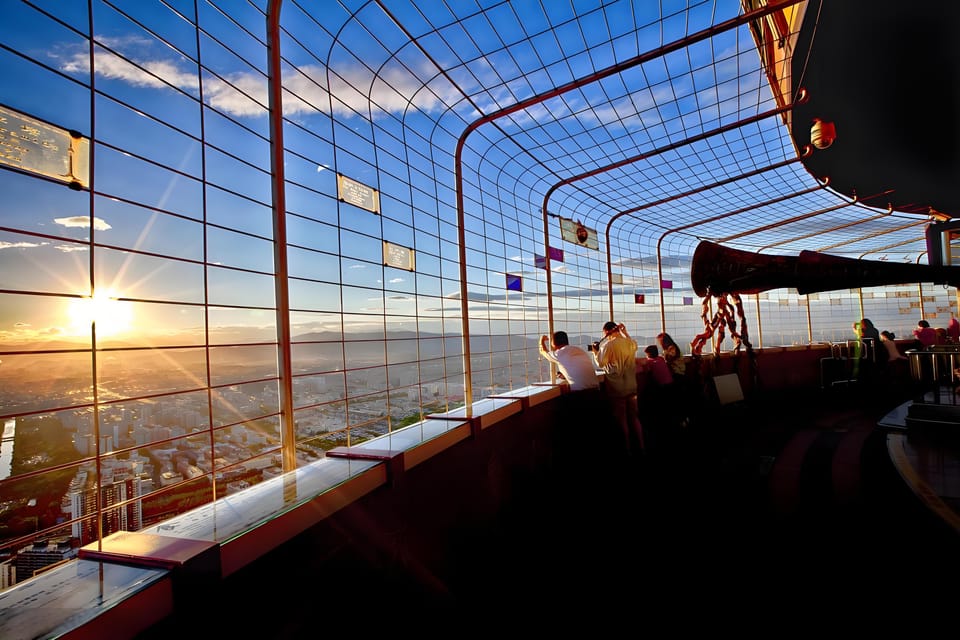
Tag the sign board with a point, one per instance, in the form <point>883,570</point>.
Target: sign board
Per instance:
<point>43,149</point>
<point>358,194</point>
<point>395,255</point>
<point>576,233</point>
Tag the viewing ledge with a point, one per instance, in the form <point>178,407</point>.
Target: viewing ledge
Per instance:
<point>133,580</point>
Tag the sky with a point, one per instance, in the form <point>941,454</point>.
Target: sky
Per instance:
<point>150,203</point>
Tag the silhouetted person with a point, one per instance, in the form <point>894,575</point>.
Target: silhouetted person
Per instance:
<point>617,357</point>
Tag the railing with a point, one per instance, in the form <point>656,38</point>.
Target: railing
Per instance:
<point>935,370</point>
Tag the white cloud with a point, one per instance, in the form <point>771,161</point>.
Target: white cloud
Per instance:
<point>20,245</point>
<point>83,221</point>
<point>351,89</point>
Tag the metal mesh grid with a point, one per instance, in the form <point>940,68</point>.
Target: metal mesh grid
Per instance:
<point>651,123</point>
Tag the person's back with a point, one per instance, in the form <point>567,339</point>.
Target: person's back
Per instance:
<point>926,336</point>
<point>617,358</point>
<point>574,363</point>
<point>868,332</point>
<point>953,330</point>
<point>672,354</point>
<point>887,338</point>
<point>657,366</point>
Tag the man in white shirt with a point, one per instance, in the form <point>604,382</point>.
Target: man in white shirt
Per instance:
<point>575,364</point>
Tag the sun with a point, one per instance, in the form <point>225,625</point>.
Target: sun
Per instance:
<point>112,316</point>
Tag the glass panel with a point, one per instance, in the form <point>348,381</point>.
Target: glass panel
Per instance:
<point>312,264</point>
<point>143,136</point>
<point>231,287</point>
<point>167,83</point>
<point>128,226</point>
<point>400,351</point>
<point>244,402</point>
<point>123,274</point>
<point>43,207</point>
<point>160,19</point>
<point>265,464</point>
<point>236,364</point>
<point>42,381</point>
<point>362,247</point>
<point>38,503</point>
<point>183,469</point>
<point>46,440</point>
<point>310,204</point>
<point>121,323</point>
<point>232,211</point>
<point>123,176</point>
<point>71,109</point>
<point>140,372</point>
<point>136,423</point>
<point>238,325</point>
<point>361,381</point>
<point>364,354</point>
<point>312,234</point>
<point>318,389</point>
<point>42,322</point>
<point>231,137</point>
<point>324,424</point>
<point>236,176</point>
<point>29,263</point>
<point>308,357</point>
<point>359,300</point>
<point>239,250</point>
<point>247,98</point>
<point>306,294</point>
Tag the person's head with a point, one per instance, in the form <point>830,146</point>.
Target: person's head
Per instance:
<point>560,339</point>
<point>923,324</point>
<point>651,351</point>
<point>609,328</point>
<point>889,335</point>
<point>866,324</point>
<point>665,340</point>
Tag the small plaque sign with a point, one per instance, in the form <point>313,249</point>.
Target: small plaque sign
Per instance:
<point>577,233</point>
<point>41,148</point>
<point>358,194</point>
<point>395,255</point>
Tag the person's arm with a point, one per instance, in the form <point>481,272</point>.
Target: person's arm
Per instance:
<point>604,361</point>
<point>545,350</point>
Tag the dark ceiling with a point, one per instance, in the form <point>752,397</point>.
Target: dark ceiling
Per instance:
<point>887,74</point>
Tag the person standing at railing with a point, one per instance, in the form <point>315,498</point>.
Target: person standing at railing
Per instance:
<point>673,355</point>
<point>953,330</point>
<point>616,355</point>
<point>870,336</point>
<point>888,338</point>
<point>658,401</point>
<point>925,335</point>
<point>578,407</point>
<point>574,364</point>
